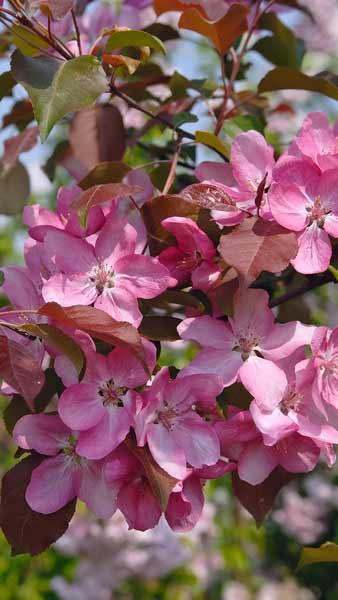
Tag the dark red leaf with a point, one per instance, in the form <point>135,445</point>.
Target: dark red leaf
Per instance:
<point>259,499</point>
<point>160,328</point>
<point>207,196</point>
<point>160,208</point>
<point>26,530</point>
<point>100,194</point>
<point>97,324</point>
<point>97,135</point>
<point>17,407</point>
<point>256,246</point>
<point>20,370</point>
<point>18,144</point>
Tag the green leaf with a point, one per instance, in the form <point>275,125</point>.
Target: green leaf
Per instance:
<point>7,82</point>
<point>327,552</point>
<point>235,126</point>
<point>286,78</point>
<point>58,88</point>
<point>184,117</point>
<point>27,41</point>
<point>134,39</point>
<point>283,48</point>
<point>212,141</point>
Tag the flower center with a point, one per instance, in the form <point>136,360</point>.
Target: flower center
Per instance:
<point>69,448</point>
<point>246,344</point>
<point>112,395</point>
<point>290,401</point>
<point>318,212</point>
<point>165,416</point>
<point>102,276</point>
<point>190,261</point>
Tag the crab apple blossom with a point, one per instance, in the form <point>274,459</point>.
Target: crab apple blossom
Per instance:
<point>194,255</point>
<point>324,367</point>
<point>176,435</point>
<point>137,502</point>
<point>305,200</point>
<point>295,409</point>
<point>317,141</point>
<point>251,163</point>
<point>40,220</point>
<point>242,442</point>
<point>247,347</point>
<point>101,407</point>
<point>64,475</point>
<point>110,275</point>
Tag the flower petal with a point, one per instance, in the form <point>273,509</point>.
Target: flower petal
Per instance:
<point>166,451</point>
<point>81,407</point>
<point>43,433</point>
<point>99,441</point>
<point>53,484</point>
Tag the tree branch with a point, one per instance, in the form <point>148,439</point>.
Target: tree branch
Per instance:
<point>313,283</point>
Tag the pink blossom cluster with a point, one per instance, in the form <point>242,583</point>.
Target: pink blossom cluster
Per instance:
<point>301,186</point>
<point>123,419</point>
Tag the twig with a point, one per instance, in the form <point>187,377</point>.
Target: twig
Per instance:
<point>77,32</point>
<point>312,284</point>
<point>172,171</point>
<point>137,106</point>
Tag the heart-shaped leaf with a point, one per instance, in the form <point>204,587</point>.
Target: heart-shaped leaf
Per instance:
<point>56,87</point>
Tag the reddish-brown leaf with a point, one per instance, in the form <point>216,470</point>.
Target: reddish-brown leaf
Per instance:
<point>259,499</point>
<point>26,530</point>
<point>160,328</point>
<point>97,324</point>
<point>162,6</point>
<point>55,8</point>
<point>160,482</point>
<point>20,370</point>
<point>97,135</point>
<point>100,194</point>
<point>222,33</point>
<point>18,144</point>
<point>103,173</point>
<point>256,246</point>
<point>160,208</point>
<point>207,196</point>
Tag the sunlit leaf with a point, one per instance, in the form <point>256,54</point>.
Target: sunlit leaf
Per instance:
<point>56,87</point>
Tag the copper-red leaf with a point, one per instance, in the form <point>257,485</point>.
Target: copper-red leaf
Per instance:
<point>20,370</point>
<point>25,529</point>
<point>256,246</point>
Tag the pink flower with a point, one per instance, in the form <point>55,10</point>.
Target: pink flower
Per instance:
<point>242,442</point>
<point>192,257</point>
<point>293,409</point>
<point>136,500</point>
<point>175,433</point>
<point>64,476</point>
<point>251,162</point>
<point>324,367</point>
<point>101,406</point>
<point>316,141</point>
<point>247,346</point>
<point>305,201</point>
<point>111,276</point>
<point>40,220</point>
